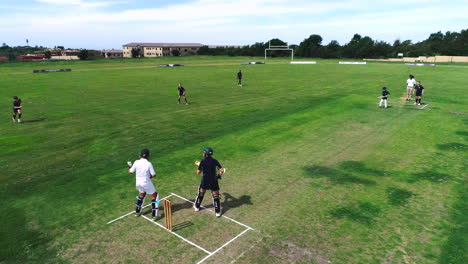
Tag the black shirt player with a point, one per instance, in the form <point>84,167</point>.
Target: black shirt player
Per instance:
<point>419,90</point>
<point>209,167</point>
<point>383,98</point>
<point>239,78</point>
<point>181,91</point>
<point>16,109</point>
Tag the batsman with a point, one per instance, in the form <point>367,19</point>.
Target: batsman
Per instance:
<point>209,167</point>
<point>144,171</point>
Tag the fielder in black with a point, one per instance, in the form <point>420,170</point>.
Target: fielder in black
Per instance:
<point>181,90</point>
<point>16,109</point>
<point>383,97</point>
<point>209,167</point>
<point>239,78</point>
<point>419,90</point>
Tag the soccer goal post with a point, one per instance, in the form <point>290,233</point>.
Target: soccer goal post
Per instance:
<point>284,47</point>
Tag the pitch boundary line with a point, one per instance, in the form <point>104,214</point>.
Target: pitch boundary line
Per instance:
<point>120,217</point>
<point>177,235</point>
<point>237,222</point>
<point>225,244</point>
<point>183,238</point>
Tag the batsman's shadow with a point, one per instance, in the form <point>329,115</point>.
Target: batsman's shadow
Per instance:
<point>233,202</point>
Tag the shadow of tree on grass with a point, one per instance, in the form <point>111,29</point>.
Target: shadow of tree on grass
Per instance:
<point>397,196</point>
<point>336,176</point>
<point>361,212</point>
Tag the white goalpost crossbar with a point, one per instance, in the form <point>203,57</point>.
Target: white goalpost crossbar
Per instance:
<point>285,47</point>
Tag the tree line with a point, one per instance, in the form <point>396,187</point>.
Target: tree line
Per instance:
<point>450,44</point>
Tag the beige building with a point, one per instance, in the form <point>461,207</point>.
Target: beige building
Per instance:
<point>161,49</point>
<point>112,53</point>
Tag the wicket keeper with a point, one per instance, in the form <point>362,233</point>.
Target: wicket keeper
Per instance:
<point>16,109</point>
<point>144,173</point>
<point>181,91</point>
<point>209,167</point>
<point>239,78</point>
<point>419,89</point>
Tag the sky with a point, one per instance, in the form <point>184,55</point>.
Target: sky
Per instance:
<point>106,24</point>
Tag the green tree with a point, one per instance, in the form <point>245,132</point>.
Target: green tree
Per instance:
<point>48,54</point>
<point>83,54</point>
<point>136,52</point>
<point>311,46</point>
<point>332,50</point>
<point>175,52</point>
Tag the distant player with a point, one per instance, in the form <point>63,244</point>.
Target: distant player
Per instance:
<point>16,109</point>
<point>144,173</point>
<point>239,78</point>
<point>209,166</point>
<point>419,90</point>
<point>410,83</point>
<point>383,98</point>
<point>181,90</point>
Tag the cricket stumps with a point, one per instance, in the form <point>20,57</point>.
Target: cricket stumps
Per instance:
<point>168,214</point>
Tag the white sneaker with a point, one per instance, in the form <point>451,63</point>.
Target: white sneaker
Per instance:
<point>19,120</point>
<point>418,104</point>
<point>415,103</point>
<point>196,208</point>
<point>14,120</point>
<point>218,214</point>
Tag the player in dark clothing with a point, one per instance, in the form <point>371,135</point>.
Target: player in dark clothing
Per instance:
<point>419,90</point>
<point>383,98</point>
<point>239,78</point>
<point>16,109</point>
<point>209,181</point>
<point>181,90</point>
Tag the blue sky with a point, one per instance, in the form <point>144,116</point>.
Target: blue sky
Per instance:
<point>98,24</point>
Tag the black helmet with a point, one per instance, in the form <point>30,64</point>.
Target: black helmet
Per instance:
<point>145,153</point>
<point>384,88</point>
<point>208,151</point>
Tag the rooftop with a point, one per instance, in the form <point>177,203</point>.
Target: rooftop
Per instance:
<point>167,45</point>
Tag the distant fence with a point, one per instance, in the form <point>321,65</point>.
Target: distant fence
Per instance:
<point>426,59</point>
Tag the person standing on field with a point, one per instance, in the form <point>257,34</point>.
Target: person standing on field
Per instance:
<point>419,89</point>
<point>239,78</point>
<point>383,98</point>
<point>181,91</point>
<point>410,83</point>
<point>144,173</point>
<point>209,166</point>
<point>16,109</point>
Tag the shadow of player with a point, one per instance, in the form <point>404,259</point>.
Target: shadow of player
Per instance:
<point>33,120</point>
<point>233,202</point>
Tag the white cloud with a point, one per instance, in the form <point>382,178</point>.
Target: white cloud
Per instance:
<point>233,22</point>
<point>79,3</point>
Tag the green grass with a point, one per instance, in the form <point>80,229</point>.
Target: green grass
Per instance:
<point>314,166</point>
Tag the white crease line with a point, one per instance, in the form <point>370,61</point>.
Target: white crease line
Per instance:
<point>237,222</point>
<point>179,236</point>
<point>423,106</point>
<point>120,217</point>
<point>227,243</point>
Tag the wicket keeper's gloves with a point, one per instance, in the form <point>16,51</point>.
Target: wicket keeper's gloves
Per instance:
<point>129,163</point>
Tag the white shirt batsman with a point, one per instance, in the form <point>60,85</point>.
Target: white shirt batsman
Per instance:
<point>144,172</point>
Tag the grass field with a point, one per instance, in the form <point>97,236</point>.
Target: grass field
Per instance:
<point>314,167</point>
